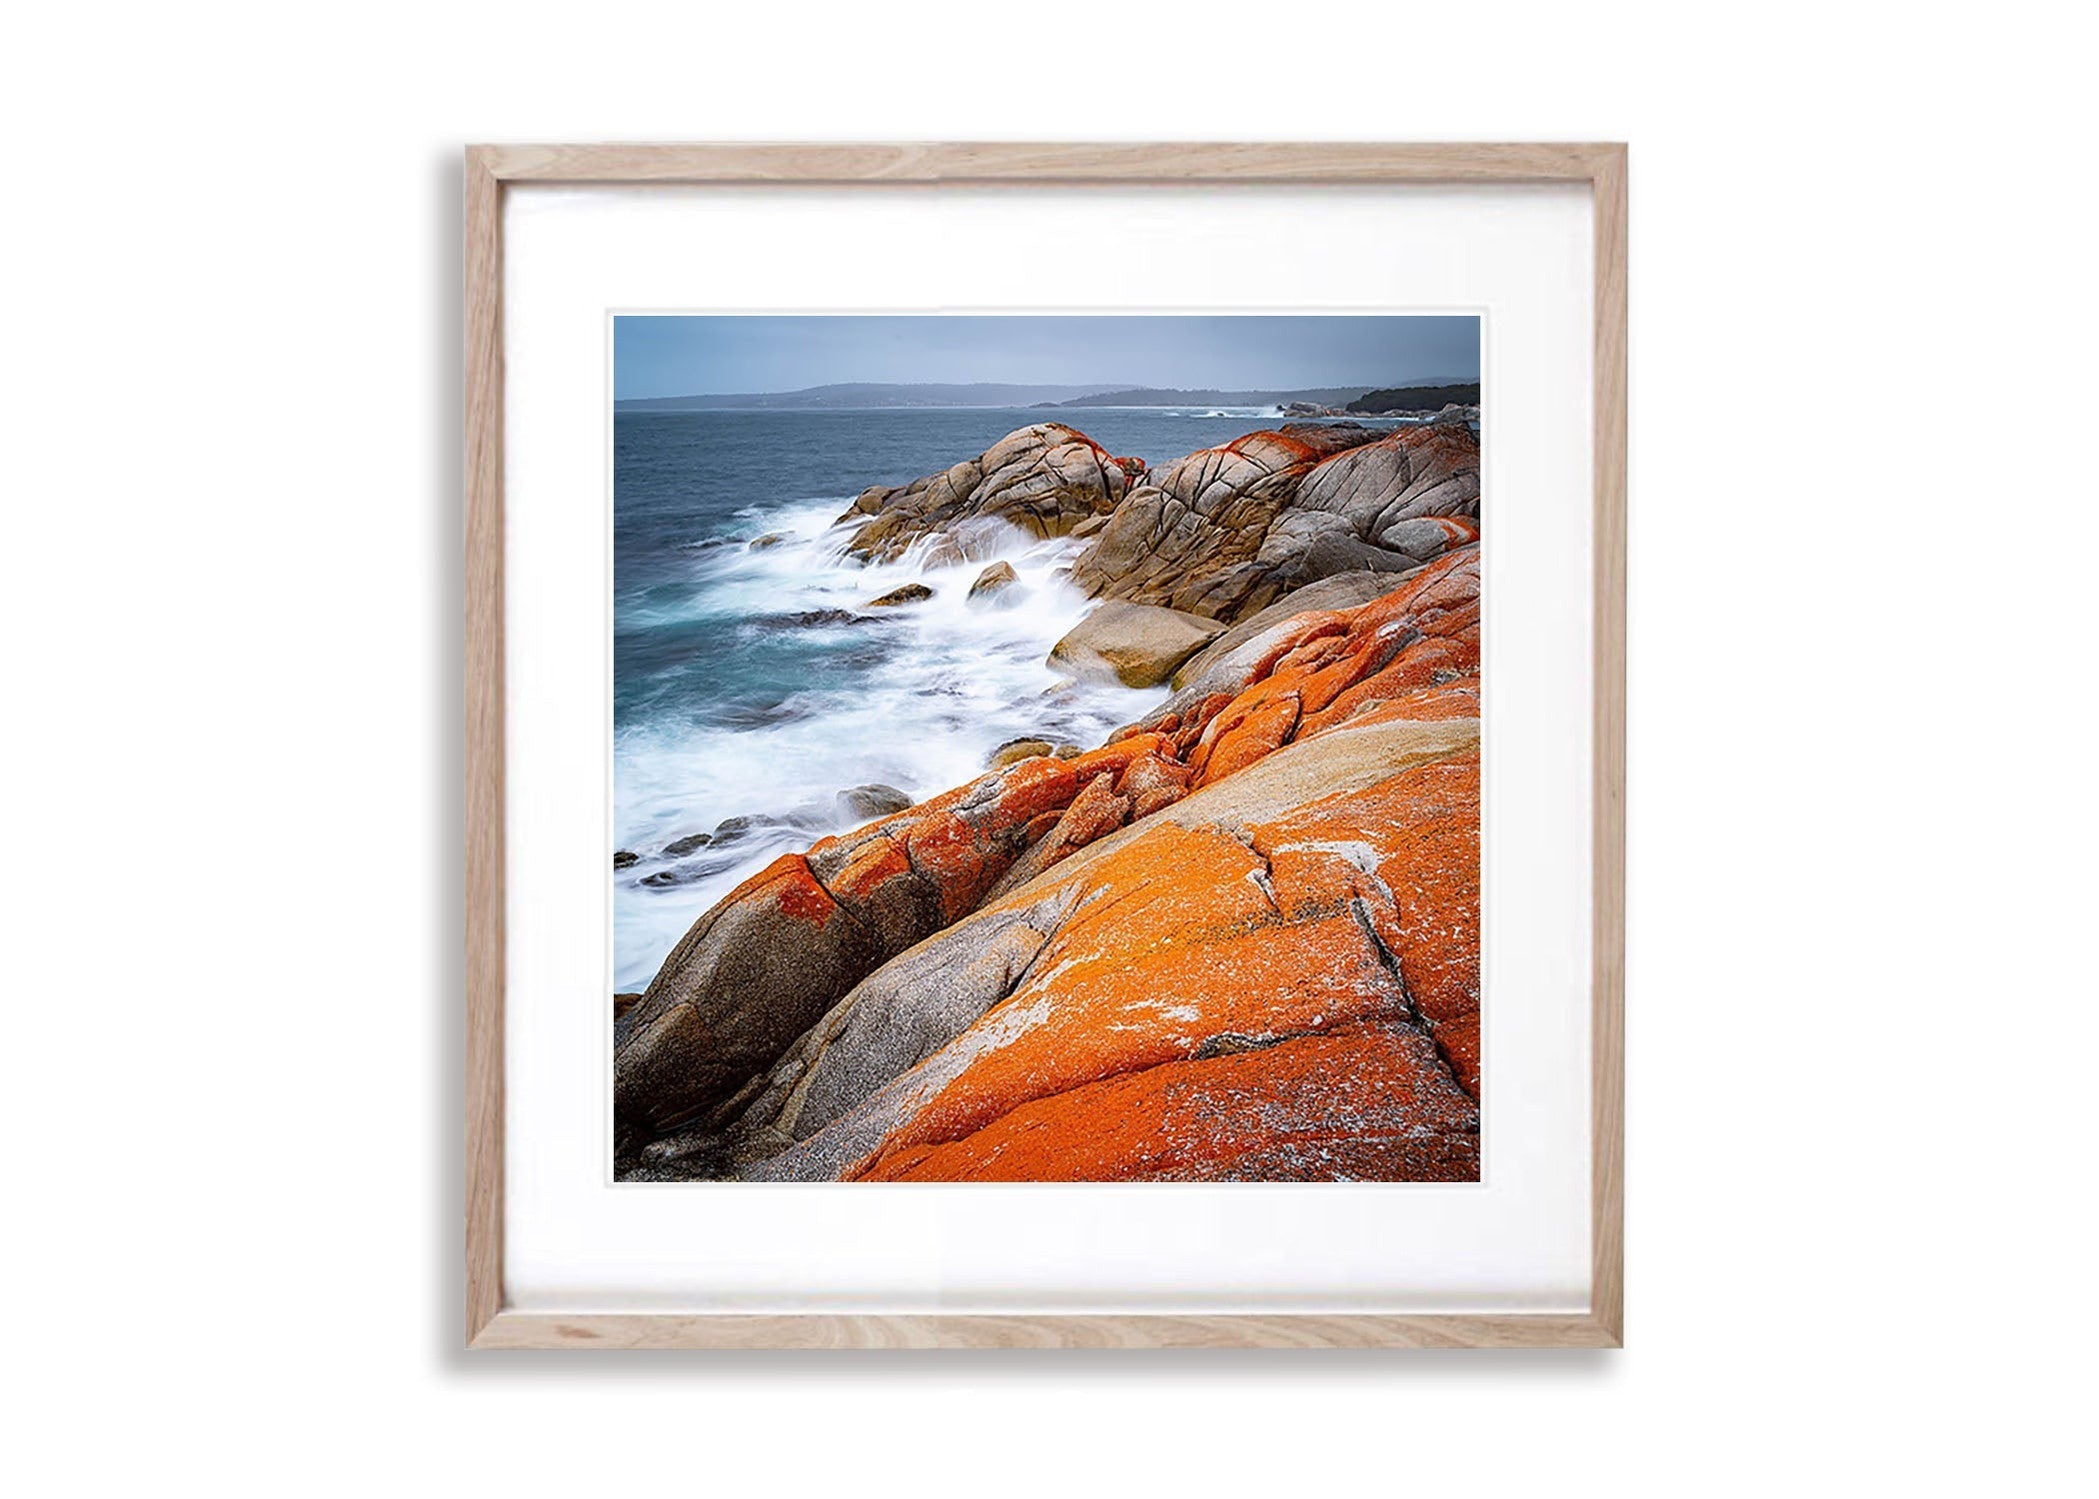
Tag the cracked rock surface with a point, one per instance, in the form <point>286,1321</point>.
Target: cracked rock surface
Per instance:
<point>1228,531</point>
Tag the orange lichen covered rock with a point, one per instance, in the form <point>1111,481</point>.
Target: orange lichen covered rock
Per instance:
<point>1098,809</point>
<point>696,1034</point>
<point>1153,773</point>
<point>1363,1102</point>
<point>1112,759</point>
<point>1329,665</point>
<point>1244,733</point>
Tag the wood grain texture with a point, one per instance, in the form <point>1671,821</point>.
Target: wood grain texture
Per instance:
<point>484,743</point>
<point>1030,162</point>
<point>488,169</point>
<point>1607,788</point>
<point>521,1330</point>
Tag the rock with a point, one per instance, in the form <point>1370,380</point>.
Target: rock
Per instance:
<point>1042,479</point>
<point>875,800</point>
<point>769,540</point>
<point>1019,749</point>
<point>806,618</point>
<point>690,872</point>
<point>679,848</point>
<point>945,551</point>
<point>996,584</point>
<point>625,859</point>
<point>622,1003</point>
<point>709,1020</point>
<point>1092,525</point>
<point>1226,663</point>
<point>1254,1108</point>
<point>1427,536</point>
<point>1226,532</point>
<point>910,593</point>
<point>729,829</point>
<point>1094,813</point>
<point>1137,645</point>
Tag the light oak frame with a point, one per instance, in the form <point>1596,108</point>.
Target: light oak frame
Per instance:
<point>490,172</point>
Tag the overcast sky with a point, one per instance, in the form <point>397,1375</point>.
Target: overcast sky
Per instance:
<point>683,356</point>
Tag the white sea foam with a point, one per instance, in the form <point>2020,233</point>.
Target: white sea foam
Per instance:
<point>943,684</point>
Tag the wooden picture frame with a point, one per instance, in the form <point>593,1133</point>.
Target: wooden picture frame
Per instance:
<point>490,171</point>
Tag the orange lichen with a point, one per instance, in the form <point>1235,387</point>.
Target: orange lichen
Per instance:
<point>1423,828</point>
<point>1111,758</point>
<point>788,883</point>
<point>1182,938</point>
<point>1241,735</point>
<point>1364,1101</point>
<point>877,862</point>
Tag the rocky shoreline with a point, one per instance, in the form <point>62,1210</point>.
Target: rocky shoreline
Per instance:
<point>1238,940</point>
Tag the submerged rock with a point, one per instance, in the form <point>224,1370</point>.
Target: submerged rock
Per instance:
<point>1042,479</point>
<point>809,618</point>
<point>910,593</point>
<point>766,542</point>
<point>1138,645</point>
<point>996,584</point>
<point>625,858</point>
<point>870,801</point>
<point>1018,749</point>
<point>680,847</point>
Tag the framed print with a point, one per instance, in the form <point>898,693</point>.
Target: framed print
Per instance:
<point>1045,745</point>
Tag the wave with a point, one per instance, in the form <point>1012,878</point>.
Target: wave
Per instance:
<point>915,698</point>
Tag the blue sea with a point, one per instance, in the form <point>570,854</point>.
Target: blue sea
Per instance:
<point>751,687</point>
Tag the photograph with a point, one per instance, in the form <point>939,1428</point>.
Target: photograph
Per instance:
<point>1045,748</point>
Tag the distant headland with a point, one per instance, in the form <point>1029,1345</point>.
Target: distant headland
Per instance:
<point>1359,399</point>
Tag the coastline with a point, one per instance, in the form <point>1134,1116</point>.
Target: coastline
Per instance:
<point>1250,895</point>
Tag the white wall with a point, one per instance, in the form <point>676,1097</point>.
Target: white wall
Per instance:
<point>1861,1017</point>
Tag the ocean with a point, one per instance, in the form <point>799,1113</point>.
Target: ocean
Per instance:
<point>751,688</point>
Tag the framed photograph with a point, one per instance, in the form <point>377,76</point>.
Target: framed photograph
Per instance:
<point>1044,745</point>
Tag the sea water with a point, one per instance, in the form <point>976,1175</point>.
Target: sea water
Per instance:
<point>753,683</point>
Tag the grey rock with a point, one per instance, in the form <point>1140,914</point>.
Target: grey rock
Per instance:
<point>1138,645</point>
<point>751,975</point>
<point>864,803</point>
<point>997,584</point>
<point>1042,479</point>
<point>1226,532</point>
<point>910,593</point>
<point>1015,750</point>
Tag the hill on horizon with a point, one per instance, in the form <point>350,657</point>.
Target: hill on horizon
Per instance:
<point>849,395</point>
<point>860,393</point>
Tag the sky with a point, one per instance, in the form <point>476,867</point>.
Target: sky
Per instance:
<point>684,356</point>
